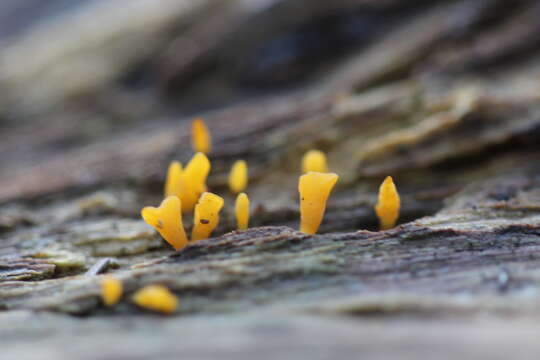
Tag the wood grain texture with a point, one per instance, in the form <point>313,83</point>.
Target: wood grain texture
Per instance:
<point>442,96</point>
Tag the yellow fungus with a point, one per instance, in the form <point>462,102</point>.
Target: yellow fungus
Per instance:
<point>387,207</point>
<point>314,188</point>
<point>314,160</point>
<point>188,184</point>
<point>242,211</point>
<point>238,177</point>
<point>174,180</point>
<point>156,297</point>
<point>206,216</point>
<point>193,181</point>
<point>167,220</point>
<point>111,290</point>
<point>200,136</point>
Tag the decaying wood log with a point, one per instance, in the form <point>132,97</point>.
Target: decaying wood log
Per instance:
<point>442,95</point>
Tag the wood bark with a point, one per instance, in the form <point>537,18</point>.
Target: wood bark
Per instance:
<point>442,95</point>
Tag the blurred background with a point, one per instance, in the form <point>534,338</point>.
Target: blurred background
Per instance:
<point>97,98</point>
<point>99,95</point>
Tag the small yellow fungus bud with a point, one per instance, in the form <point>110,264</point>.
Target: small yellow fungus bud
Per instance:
<point>238,177</point>
<point>314,188</point>
<point>193,182</point>
<point>174,179</point>
<point>206,216</point>
<point>200,136</point>
<point>156,297</point>
<point>242,211</point>
<point>387,207</point>
<point>314,160</point>
<point>111,290</point>
<point>167,220</point>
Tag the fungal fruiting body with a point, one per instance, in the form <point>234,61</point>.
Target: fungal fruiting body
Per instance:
<point>314,188</point>
<point>157,298</point>
<point>167,220</point>
<point>189,183</point>
<point>241,209</point>
<point>387,207</point>
<point>193,181</point>
<point>238,177</point>
<point>111,290</point>
<point>206,217</point>
<point>200,136</point>
<point>173,183</point>
<point>314,160</point>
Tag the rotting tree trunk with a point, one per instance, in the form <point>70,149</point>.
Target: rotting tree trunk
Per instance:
<point>442,95</point>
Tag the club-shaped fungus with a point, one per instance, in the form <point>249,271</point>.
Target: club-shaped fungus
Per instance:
<point>387,207</point>
<point>314,160</point>
<point>200,136</point>
<point>111,290</point>
<point>314,188</point>
<point>189,183</point>
<point>157,298</point>
<point>167,220</point>
<point>238,177</point>
<point>206,217</point>
<point>173,183</point>
<point>241,209</point>
<point>194,181</point>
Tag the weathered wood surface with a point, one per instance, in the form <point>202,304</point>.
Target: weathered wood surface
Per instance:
<point>443,96</point>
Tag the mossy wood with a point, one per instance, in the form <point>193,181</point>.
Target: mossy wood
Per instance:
<point>444,96</point>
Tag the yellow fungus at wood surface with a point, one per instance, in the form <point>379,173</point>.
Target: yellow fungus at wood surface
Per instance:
<point>111,290</point>
<point>194,181</point>
<point>167,220</point>
<point>314,160</point>
<point>188,184</point>
<point>173,183</point>
<point>157,298</point>
<point>206,216</point>
<point>314,188</point>
<point>387,207</point>
<point>241,209</point>
<point>200,136</point>
<point>238,177</point>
